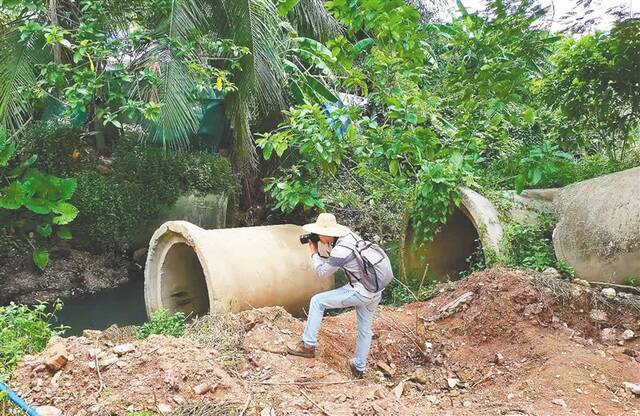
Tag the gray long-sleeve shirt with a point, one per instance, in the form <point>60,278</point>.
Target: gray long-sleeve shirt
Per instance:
<point>341,258</point>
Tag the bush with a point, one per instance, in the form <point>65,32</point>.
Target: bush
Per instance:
<point>116,210</point>
<point>529,245</point>
<point>111,211</point>
<point>162,323</point>
<point>61,148</point>
<point>24,330</point>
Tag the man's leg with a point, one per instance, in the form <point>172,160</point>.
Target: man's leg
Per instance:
<point>365,314</point>
<point>331,299</point>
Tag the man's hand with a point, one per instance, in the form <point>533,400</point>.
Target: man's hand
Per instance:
<point>313,247</point>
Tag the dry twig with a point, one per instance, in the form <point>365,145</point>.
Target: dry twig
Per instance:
<point>315,404</point>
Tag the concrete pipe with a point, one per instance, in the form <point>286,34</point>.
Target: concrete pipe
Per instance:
<point>193,270</point>
<point>598,232</point>
<point>475,226</point>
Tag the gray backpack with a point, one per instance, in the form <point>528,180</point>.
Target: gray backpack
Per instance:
<point>373,261</point>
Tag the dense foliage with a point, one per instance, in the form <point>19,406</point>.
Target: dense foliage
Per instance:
<point>24,330</point>
<point>163,323</point>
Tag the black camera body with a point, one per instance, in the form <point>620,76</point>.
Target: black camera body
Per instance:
<point>305,238</point>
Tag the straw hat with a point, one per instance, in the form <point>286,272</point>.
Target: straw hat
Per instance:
<point>326,224</point>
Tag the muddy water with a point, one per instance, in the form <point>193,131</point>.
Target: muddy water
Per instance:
<point>123,305</point>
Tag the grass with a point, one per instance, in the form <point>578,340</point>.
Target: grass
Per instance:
<point>220,331</point>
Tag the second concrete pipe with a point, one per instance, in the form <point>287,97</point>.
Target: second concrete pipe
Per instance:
<point>193,270</point>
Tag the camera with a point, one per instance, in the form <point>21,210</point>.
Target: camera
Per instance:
<point>305,238</point>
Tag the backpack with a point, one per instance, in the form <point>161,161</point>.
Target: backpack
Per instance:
<point>373,261</point>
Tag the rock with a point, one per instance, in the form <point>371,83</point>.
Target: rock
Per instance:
<point>268,411</point>
<point>398,390</point>
<point>559,402</point>
<point>498,359</point>
<point>420,376</point>
<point>56,356</point>
<point>452,306</point>
<point>164,408</point>
<point>608,335</point>
<point>386,369</point>
<point>632,387</point>
<point>533,309</point>
<point>124,348</point>
<point>466,403</point>
<point>628,334</point>
<point>379,410</point>
<point>202,388</point>
<point>48,411</point>
<point>551,273</point>
<point>340,398</point>
<point>595,410</point>
<point>92,334</point>
<point>452,382</point>
<point>608,292</point>
<point>432,398</point>
<point>598,315</point>
<point>581,282</point>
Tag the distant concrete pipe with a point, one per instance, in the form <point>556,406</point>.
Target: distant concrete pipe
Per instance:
<point>598,232</point>
<point>193,270</point>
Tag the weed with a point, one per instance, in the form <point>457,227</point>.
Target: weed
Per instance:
<point>163,323</point>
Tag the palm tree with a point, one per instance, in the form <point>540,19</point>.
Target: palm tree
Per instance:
<point>261,84</point>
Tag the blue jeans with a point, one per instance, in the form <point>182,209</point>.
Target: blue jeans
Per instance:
<point>343,298</point>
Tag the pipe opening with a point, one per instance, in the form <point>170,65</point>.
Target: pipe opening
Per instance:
<point>446,256</point>
<point>184,287</point>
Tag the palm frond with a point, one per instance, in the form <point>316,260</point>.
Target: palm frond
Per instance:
<point>177,120</point>
<point>312,20</point>
<point>17,63</point>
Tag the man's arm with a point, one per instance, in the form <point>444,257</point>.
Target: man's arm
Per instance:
<point>337,259</point>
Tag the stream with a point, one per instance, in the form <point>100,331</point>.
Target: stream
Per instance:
<point>123,305</point>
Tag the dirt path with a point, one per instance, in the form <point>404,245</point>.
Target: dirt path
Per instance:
<point>495,344</point>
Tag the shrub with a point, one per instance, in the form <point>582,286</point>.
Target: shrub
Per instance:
<point>60,147</point>
<point>162,323</point>
<point>24,330</point>
<point>116,210</point>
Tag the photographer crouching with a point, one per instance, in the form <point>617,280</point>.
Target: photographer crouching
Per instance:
<point>368,269</point>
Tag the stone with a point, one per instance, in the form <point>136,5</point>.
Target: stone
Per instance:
<point>379,410</point>
<point>398,390</point>
<point>124,348</point>
<point>533,309</point>
<point>632,387</point>
<point>48,411</point>
<point>466,403</point>
<point>140,255</point>
<point>56,356</point>
<point>92,334</point>
<point>202,388</point>
<point>608,292</point>
<point>559,402</point>
<point>628,334</point>
<point>385,368</point>
<point>498,359</point>
<point>420,376</point>
<point>581,282</point>
<point>268,411</point>
<point>164,408</point>
<point>608,335</point>
<point>551,273</point>
<point>452,382</point>
<point>598,315</point>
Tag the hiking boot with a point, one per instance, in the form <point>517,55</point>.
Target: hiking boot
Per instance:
<point>301,350</point>
<point>354,371</point>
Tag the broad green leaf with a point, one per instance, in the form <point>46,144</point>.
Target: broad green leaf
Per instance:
<point>67,213</point>
<point>320,89</point>
<point>363,44</point>
<point>6,151</point>
<point>41,258</point>
<point>536,176</point>
<point>66,187</point>
<point>38,205</point>
<point>12,196</point>
<point>267,151</point>
<point>457,159</point>
<point>411,118</point>
<point>393,167</point>
<point>285,6</point>
<point>64,233</point>
<point>529,116</point>
<point>44,230</point>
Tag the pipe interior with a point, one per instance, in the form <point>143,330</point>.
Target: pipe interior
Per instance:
<point>183,284</point>
<point>447,254</point>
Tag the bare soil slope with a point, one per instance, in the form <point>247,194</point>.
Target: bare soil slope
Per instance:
<point>498,343</point>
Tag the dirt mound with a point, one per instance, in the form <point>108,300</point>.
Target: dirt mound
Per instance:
<point>496,343</point>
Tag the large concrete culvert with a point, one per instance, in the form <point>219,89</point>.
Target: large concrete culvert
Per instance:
<point>470,228</point>
<point>193,270</point>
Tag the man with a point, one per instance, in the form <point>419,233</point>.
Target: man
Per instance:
<point>345,249</point>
